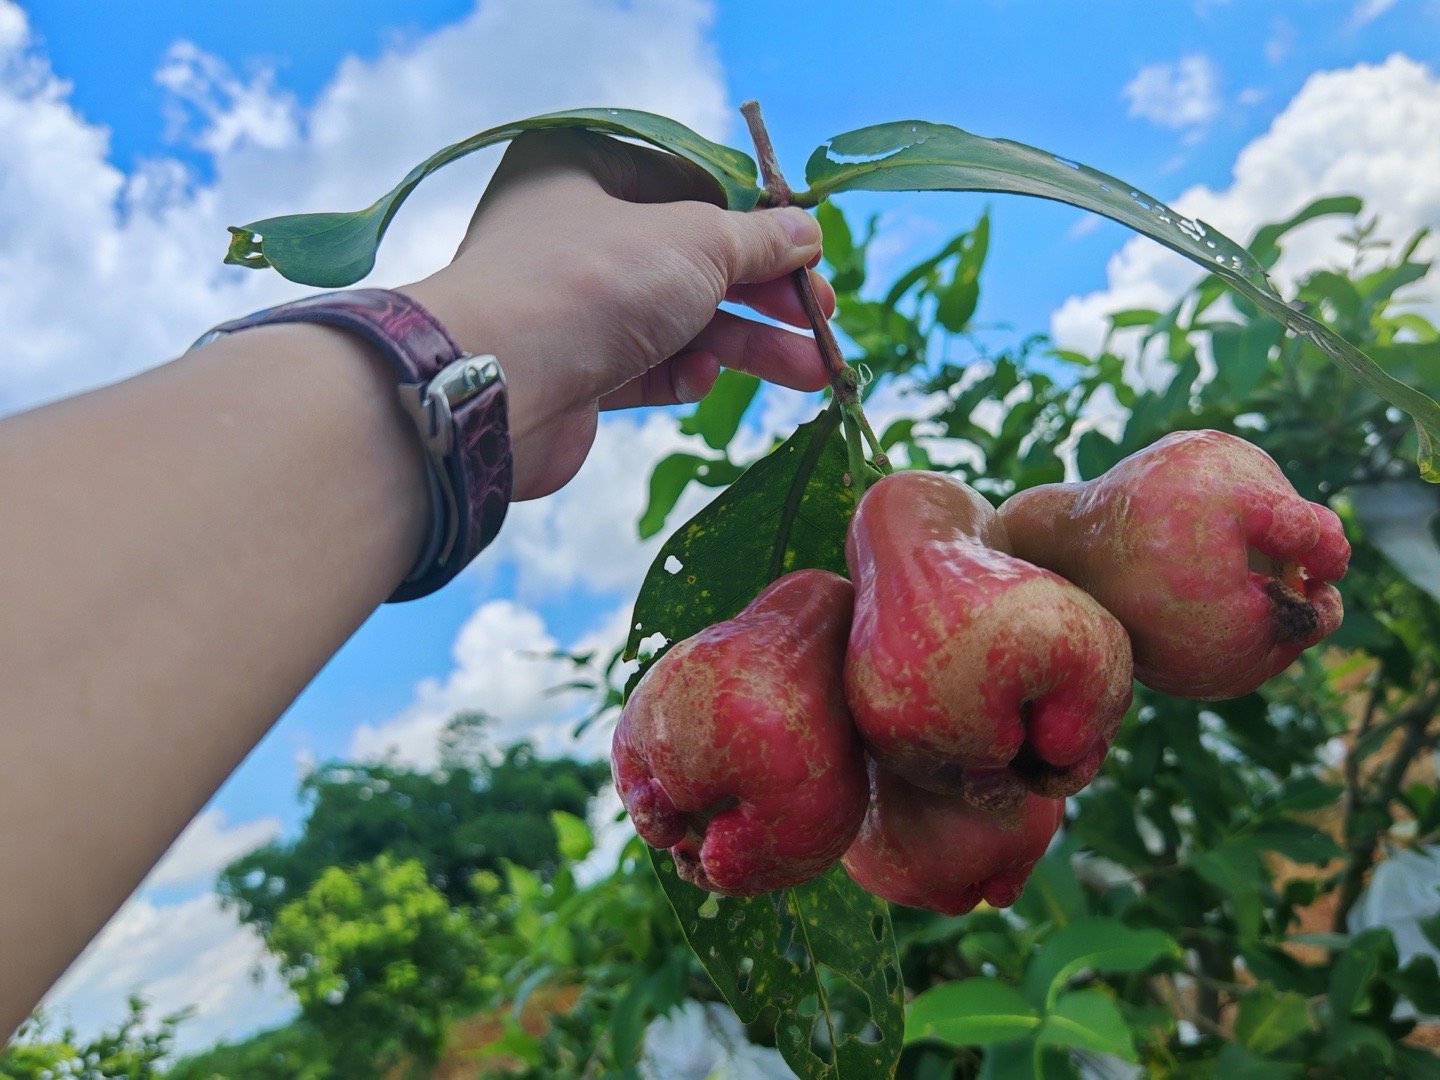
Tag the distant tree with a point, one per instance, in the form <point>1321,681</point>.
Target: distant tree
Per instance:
<point>293,1051</point>
<point>132,1050</point>
<point>466,816</point>
<point>379,961</point>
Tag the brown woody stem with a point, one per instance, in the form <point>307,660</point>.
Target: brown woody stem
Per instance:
<point>844,383</point>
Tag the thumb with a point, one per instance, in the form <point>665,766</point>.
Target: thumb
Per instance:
<point>761,245</point>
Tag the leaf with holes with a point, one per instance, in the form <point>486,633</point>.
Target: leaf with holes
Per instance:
<point>338,249</point>
<point>787,511</point>
<point>822,955</point>
<point>915,155</point>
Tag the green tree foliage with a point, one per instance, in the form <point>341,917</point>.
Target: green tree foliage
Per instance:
<point>379,960</point>
<point>294,1051</point>
<point>1193,919</point>
<point>132,1050</point>
<point>471,814</point>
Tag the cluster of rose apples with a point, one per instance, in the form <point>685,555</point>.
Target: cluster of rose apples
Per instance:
<point>925,724</point>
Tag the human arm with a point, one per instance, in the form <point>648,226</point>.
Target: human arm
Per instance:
<point>181,552</point>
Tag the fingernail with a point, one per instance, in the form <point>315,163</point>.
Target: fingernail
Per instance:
<point>803,230</point>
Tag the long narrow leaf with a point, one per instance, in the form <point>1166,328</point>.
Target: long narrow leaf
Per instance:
<point>915,155</point>
<point>337,249</point>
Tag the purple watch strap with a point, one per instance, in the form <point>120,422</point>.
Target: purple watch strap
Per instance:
<point>471,472</point>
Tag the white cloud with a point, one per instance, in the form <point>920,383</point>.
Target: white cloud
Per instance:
<point>1349,131</point>
<point>501,668</point>
<point>191,953</point>
<point>585,534</point>
<point>207,844</point>
<point>106,273</point>
<point>1179,94</point>
<point>1281,41</point>
<point>1367,11</point>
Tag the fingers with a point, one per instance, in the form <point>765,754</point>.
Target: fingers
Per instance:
<point>767,352</point>
<point>778,298</point>
<point>763,244</point>
<point>683,378</point>
<point>774,354</point>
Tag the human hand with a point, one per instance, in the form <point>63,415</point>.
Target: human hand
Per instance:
<point>593,270</point>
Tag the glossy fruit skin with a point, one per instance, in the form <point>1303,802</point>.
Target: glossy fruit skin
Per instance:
<point>1203,550</point>
<point>736,750</point>
<point>939,852</point>
<point>969,670</point>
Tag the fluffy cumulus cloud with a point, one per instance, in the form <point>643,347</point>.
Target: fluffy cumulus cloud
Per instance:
<point>108,272</point>
<point>585,534</point>
<point>1180,93</point>
<point>190,954</point>
<point>1364,130</point>
<point>209,843</point>
<point>104,272</point>
<point>502,666</point>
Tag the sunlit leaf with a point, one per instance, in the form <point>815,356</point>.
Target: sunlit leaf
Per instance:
<point>794,951</point>
<point>1268,1019</point>
<point>337,249</point>
<point>972,1012</point>
<point>915,155</point>
<point>1088,1020</point>
<point>1093,944</point>
<point>787,511</point>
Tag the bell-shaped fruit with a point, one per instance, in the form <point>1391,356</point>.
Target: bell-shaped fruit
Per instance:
<point>1203,550</point>
<point>937,851</point>
<point>969,670</point>
<point>736,750</point>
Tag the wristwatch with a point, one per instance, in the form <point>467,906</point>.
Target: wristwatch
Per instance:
<point>457,403</point>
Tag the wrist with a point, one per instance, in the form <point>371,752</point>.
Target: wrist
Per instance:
<point>490,325</point>
<point>455,401</point>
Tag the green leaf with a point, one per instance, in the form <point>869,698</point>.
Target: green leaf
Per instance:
<point>1294,839</point>
<point>1268,1019</point>
<point>572,835</point>
<point>1095,453</point>
<point>789,510</point>
<point>847,262</point>
<point>338,249</point>
<point>1024,1060</point>
<point>1350,1040</point>
<point>775,951</point>
<point>667,483</point>
<point>717,416</point>
<point>1052,894</point>
<point>1096,944</point>
<point>1088,1020</point>
<point>1235,1062</point>
<point>973,1012</point>
<point>1264,246</point>
<point>1242,353</point>
<point>915,155</point>
<point>1357,968</point>
<point>1417,1063</point>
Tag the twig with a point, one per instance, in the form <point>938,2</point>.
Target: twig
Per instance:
<point>843,381</point>
<point>1415,719</point>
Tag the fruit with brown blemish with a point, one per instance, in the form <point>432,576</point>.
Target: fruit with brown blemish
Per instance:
<point>969,670</point>
<point>736,751</point>
<point>939,852</point>
<point>1201,547</point>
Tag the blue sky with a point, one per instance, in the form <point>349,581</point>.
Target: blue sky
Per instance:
<point>213,114</point>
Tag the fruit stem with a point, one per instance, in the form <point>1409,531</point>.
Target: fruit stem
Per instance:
<point>855,448</point>
<point>844,382</point>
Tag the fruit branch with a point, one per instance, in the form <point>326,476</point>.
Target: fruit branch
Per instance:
<point>1414,719</point>
<point>844,382</point>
